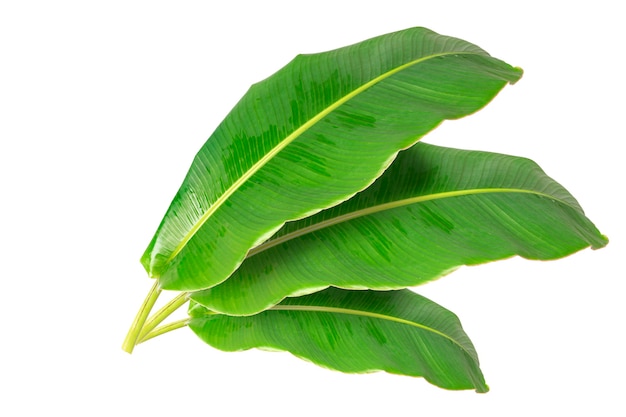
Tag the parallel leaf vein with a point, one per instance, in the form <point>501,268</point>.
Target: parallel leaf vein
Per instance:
<point>386,206</point>
<point>353,312</point>
<point>290,138</point>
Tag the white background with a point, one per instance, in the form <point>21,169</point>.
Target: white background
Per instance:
<point>103,106</point>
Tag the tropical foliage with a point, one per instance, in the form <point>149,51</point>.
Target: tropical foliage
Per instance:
<point>312,207</point>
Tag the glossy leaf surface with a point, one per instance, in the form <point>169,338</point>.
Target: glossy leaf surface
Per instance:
<point>356,331</point>
<point>433,210</point>
<point>310,136</point>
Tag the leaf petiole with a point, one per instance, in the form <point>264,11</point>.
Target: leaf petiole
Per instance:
<point>158,317</point>
<point>135,329</point>
<point>164,329</point>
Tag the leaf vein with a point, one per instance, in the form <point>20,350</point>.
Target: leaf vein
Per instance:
<point>290,138</point>
<point>387,206</point>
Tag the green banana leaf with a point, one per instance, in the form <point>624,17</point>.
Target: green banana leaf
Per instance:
<point>433,210</point>
<point>309,137</point>
<point>398,332</point>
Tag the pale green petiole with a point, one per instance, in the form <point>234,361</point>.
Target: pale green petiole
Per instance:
<point>142,328</point>
<point>140,319</point>
<point>164,329</point>
<point>162,314</point>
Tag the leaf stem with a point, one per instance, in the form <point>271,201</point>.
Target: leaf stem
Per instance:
<point>133,333</point>
<point>164,329</point>
<point>158,317</point>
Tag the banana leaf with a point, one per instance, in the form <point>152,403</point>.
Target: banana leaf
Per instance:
<point>309,137</point>
<point>432,211</point>
<point>398,332</point>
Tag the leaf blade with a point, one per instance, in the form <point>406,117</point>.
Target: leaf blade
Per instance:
<point>281,142</point>
<point>435,209</point>
<point>356,331</point>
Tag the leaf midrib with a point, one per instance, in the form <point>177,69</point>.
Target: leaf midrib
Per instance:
<point>389,206</point>
<point>362,313</point>
<point>290,138</point>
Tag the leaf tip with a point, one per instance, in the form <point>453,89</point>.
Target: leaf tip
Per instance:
<point>482,389</point>
<point>605,241</point>
<point>520,73</point>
